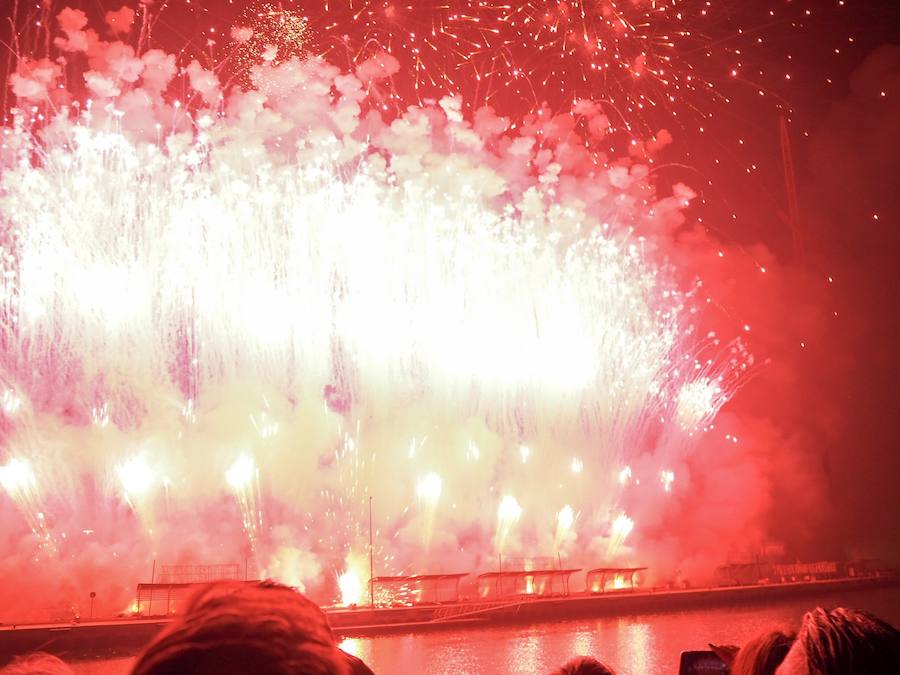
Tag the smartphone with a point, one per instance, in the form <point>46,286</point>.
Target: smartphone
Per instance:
<point>701,663</point>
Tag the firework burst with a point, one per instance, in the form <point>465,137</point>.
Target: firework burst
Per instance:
<point>308,306</point>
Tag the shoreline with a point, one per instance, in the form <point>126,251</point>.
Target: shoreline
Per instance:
<point>129,635</point>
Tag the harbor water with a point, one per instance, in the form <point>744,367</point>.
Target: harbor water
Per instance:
<point>632,643</point>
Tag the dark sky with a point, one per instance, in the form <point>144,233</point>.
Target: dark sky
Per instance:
<point>831,69</point>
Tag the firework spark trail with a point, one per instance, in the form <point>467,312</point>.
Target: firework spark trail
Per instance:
<point>630,54</point>
<point>252,277</point>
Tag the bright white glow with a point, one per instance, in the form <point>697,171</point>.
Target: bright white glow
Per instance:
<point>240,474</point>
<point>429,488</point>
<point>136,477</point>
<point>565,518</point>
<point>509,511</point>
<point>351,588</point>
<point>16,476</point>
<point>625,475</point>
<point>10,401</point>
<point>368,280</point>
<point>621,528</point>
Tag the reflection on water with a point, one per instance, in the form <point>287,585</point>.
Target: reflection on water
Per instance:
<point>639,644</point>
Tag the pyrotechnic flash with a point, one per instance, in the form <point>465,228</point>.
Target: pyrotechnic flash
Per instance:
<point>429,488</point>
<point>351,588</point>
<point>236,243</point>
<point>565,517</point>
<point>10,401</point>
<point>350,581</point>
<point>429,492</point>
<point>136,477</point>
<point>240,473</point>
<point>621,528</point>
<point>20,483</point>
<point>508,514</point>
<point>564,521</point>
<point>625,475</point>
<point>242,477</point>
<point>16,477</point>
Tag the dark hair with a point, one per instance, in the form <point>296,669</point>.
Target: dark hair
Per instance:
<point>584,665</point>
<point>763,654</point>
<point>230,627</point>
<point>848,641</point>
<point>38,663</point>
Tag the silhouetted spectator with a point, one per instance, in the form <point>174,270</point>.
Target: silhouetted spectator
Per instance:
<point>357,666</point>
<point>584,665</point>
<point>36,664</point>
<point>763,654</point>
<point>231,627</point>
<point>843,642</point>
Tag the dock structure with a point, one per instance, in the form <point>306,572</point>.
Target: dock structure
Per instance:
<point>136,631</point>
<point>538,583</point>
<point>418,588</point>
<point>596,579</point>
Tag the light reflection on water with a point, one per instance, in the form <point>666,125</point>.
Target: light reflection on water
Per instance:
<point>639,644</point>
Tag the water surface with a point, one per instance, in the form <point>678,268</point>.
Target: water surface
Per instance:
<point>635,643</point>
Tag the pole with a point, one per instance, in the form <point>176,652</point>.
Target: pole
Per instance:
<point>371,559</point>
<point>150,602</point>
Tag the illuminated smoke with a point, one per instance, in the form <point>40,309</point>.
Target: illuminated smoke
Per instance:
<point>291,304</point>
